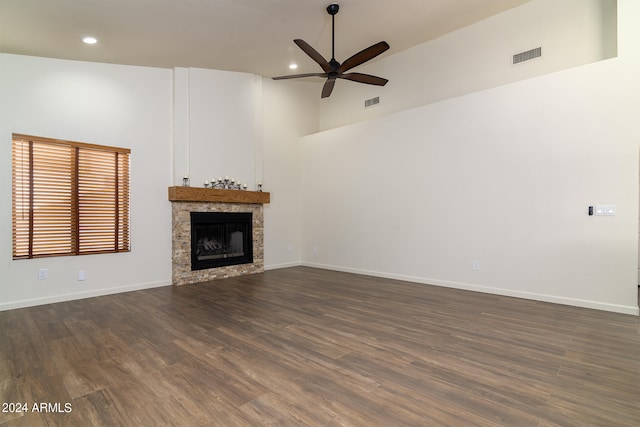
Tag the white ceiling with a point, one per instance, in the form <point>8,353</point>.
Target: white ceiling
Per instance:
<point>254,36</point>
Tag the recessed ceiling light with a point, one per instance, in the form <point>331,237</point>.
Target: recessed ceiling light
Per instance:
<point>293,66</point>
<point>89,40</point>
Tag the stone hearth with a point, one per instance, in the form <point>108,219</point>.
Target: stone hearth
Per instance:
<point>186,200</point>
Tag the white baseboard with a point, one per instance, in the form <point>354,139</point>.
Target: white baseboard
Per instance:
<point>283,265</point>
<point>596,305</point>
<point>80,295</point>
<point>616,308</point>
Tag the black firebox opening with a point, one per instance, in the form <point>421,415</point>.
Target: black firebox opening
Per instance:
<point>221,238</point>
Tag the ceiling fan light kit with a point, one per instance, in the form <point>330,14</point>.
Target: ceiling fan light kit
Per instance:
<point>333,69</point>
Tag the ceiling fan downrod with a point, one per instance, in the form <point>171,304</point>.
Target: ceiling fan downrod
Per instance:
<point>333,9</point>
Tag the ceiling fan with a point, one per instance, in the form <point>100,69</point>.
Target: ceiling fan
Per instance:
<point>333,69</point>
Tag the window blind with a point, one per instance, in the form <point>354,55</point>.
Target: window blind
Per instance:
<point>69,198</point>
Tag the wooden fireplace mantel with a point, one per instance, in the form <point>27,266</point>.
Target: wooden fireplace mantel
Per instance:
<point>195,194</point>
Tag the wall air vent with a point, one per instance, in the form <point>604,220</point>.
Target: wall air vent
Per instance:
<point>371,102</point>
<point>527,56</point>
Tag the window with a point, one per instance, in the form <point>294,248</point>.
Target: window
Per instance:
<point>69,198</point>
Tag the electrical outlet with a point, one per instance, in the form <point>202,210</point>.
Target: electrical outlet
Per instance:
<point>43,274</point>
<point>82,275</point>
<point>475,265</point>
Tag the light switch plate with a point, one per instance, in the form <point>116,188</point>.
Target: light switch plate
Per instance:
<point>605,210</point>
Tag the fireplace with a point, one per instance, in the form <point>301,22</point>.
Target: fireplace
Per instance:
<point>184,201</point>
<point>221,239</point>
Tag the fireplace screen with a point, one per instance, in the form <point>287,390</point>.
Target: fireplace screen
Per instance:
<point>220,239</point>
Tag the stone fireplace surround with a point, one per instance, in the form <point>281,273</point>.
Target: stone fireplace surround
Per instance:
<point>185,200</point>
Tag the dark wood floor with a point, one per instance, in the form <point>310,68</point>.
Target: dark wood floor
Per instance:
<point>308,347</point>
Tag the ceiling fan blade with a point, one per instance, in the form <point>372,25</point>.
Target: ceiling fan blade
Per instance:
<point>328,87</point>
<point>363,56</point>
<point>297,76</point>
<point>313,54</point>
<point>364,78</point>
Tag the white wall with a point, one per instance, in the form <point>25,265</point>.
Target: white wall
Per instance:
<point>290,111</point>
<point>503,176</point>
<point>478,57</point>
<point>195,122</point>
<point>217,126</point>
<point>101,104</point>
<point>249,128</point>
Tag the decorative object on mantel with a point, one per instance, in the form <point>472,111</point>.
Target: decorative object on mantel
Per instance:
<point>225,184</point>
<point>185,181</point>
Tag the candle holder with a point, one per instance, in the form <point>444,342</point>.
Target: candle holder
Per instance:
<point>185,181</point>
<point>225,184</point>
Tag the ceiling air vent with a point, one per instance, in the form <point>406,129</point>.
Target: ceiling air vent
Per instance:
<point>527,56</point>
<point>371,102</point>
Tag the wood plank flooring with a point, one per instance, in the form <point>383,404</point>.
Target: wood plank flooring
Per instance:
<point>309,347</point>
